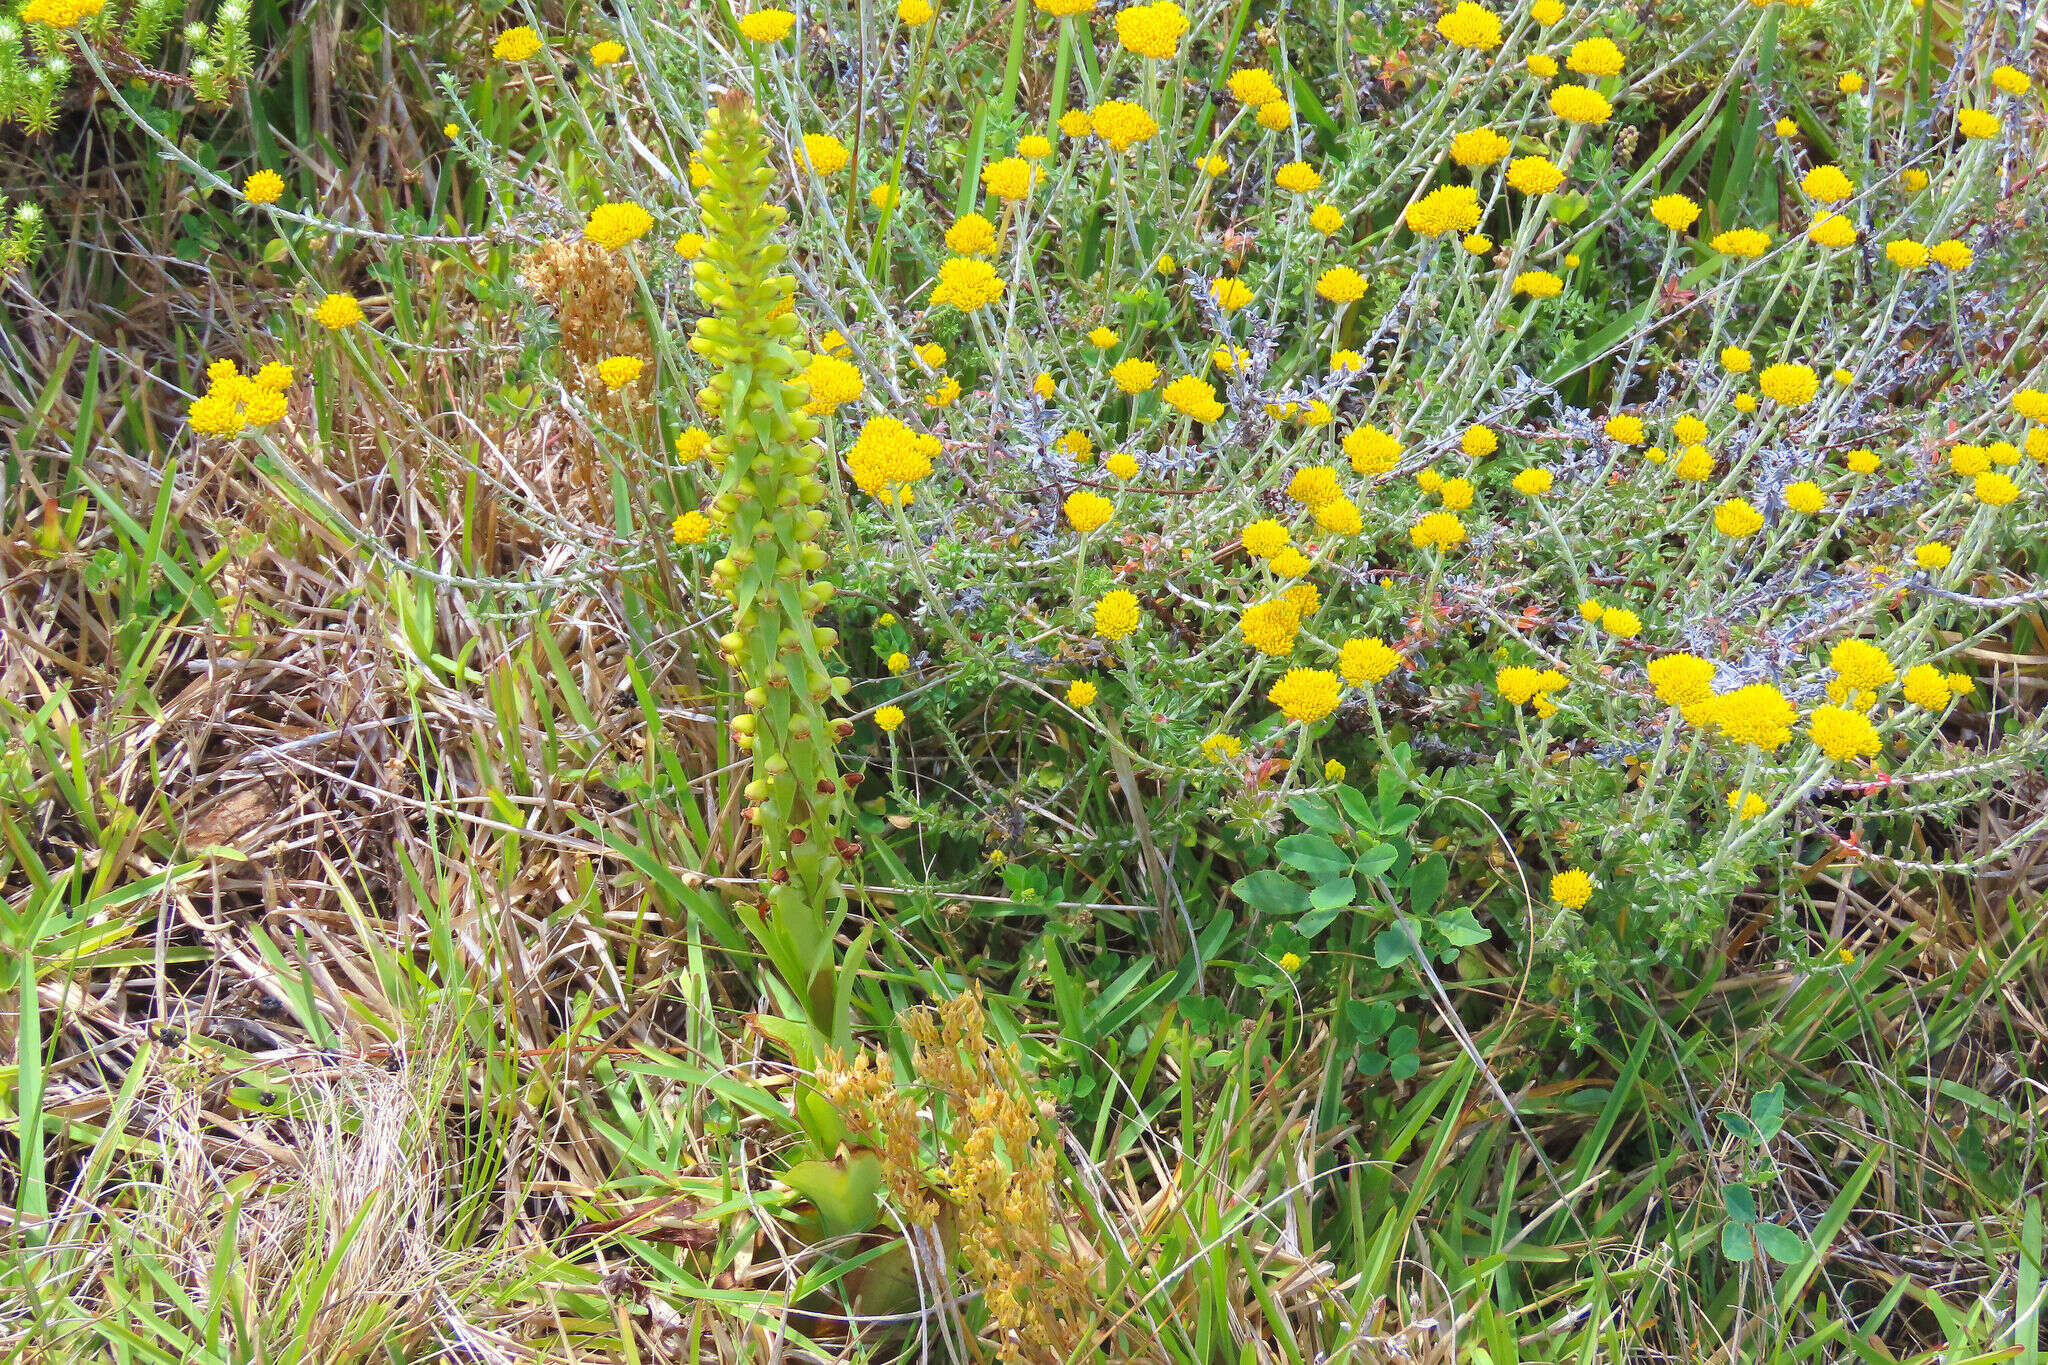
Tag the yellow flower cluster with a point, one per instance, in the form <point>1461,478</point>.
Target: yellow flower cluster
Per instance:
<point>612,226</point>
<point>1152,30</point>
<point>967,283</point>
<point>1305,695</point>
<point>1122,125</point>
<point>233,400</point>
<point>888,457</point>
<point>833,383</point>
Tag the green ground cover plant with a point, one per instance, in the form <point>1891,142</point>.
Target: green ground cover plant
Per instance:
<point>1012,680</point>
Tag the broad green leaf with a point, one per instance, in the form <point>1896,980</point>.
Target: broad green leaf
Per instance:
<point>1313,854</point>
<point>845,1190</point>
<point>1427,882</point>
<point>1767,1111</point>
<point>1272,893</point>
<point>1338,891</point>
<point>1781,1244</point>
<point>1740,1201</point>
<point>1460,927</point>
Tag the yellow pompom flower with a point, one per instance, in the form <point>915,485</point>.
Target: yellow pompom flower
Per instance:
<point>1758,714</point>
<point>1116,614</point>
<point>889,718</point>
<point>967,283</point>
<point>897,662</point>
<point>1994,489</point>
<point>1538,284</point>
<point>1122,465</point>
<point>1828,184</point>
<point>1580,104</point>
<point>1934,554</point>
<point>1270,627</point>
<point>1253,85</point>
<point>1194,396</point>
<point>1326,219</point>
<point>1952,255</point>
<point>516,44</point>
<point>1341,284</point>
<point>1102,338</point>
<point>1009,179</point>
<point>1736,360</point>
<point>1861,461</point>
<point>1297,177</point>
<point>1849,82</point>
<point>1790,385</point>
<point>1152,31</point>
<point>1674,211</point>
<point>1737,520</point>
<point>1372,451</point>
<point>1087,511</point>
<point>1081,692</point>
<point>1621,623</point>
<point>767,25</point>
<point>607,53</point>
<point>1681,679</point>
<point>1134,375</point>
<point>1571,888</point>
<point>691,443</point>
<point>1221,748</point>
<point>337,311</point>
<point>1230,292</point>
<point>264,187</point>
<point>1264,538</point>
<point>619,370</point>
<point>825,154</point>
<point>1695,464</point>
<point>613,225</point>
<point>1446,209</point>
<point>914,13</point>
<point>1470,26</point>
<point>1534,174</point>
<point>1540,65</point>
<point>1926,686</point>
<point>1479,147</point>
<point>1306,695</point>
<point>1479,441</point>
<point>1314,485</point>
<point>1437,531</point>
<point>1843,734</point>
<point>1805,497</point>
<point>1977,124</point>
<point>1275,116</point>
<point>1832,230</point>
<point>690,245</point>
<point>1906,254</point>
<point>888,457</point>
<point>1626,428</point>
<point>1534,483</point>
<point>1122,125</point>
<point>1746,805</point>
<point>1595,57</point>
<point>1075,123</point>
<point>1747,242</point>
<point>1547,12</point>
<point>1366,660</point>
<point>2011,80</point>
<point>1340,517</point>
<point>691,528</point>
<point>833,383</point>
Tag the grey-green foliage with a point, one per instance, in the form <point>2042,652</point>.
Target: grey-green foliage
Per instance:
<point>37,59</point>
